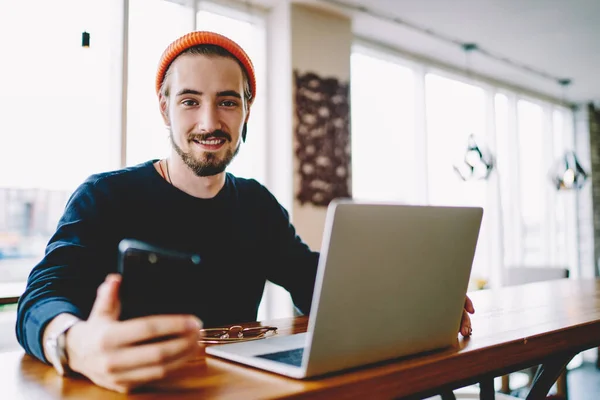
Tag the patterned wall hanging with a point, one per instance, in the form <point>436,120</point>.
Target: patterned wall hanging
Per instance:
<point>322,138</point>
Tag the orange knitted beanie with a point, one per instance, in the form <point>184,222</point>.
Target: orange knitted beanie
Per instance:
<point>204,37</point>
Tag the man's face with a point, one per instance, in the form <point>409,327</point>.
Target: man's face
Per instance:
<point>206,111</point>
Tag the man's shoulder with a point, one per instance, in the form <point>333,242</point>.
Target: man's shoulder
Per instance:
<point>107,183</point>
<point>245,184</point>
<point>253,193</point>
<point>131,173</point>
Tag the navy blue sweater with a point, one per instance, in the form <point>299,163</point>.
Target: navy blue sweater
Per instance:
<point>243,234</point>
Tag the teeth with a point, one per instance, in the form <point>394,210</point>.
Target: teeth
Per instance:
<point>211,142</point>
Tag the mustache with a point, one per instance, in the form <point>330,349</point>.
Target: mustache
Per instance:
<point>217,134</point>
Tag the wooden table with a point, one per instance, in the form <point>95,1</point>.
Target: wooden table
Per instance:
<point>10,292</point>
<point>513,328</point>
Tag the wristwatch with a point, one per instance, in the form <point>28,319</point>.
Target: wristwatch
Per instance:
<point>56,346</point>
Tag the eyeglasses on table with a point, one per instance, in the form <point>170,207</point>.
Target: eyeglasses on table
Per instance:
<point>236,333</point>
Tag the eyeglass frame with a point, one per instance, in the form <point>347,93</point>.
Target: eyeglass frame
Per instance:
<point>225,337</point>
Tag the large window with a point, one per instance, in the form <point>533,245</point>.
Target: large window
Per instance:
<point>509,232</point>
<point>532,170</point>
<point>539,221</point>
<point>383,129</point>
<point>564,248</point>
<point>454,111</point>
<point>59,118</point>
<point>411,124</point>
<point>63,108</point>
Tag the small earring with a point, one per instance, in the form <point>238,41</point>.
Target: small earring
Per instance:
<point>244,132</point>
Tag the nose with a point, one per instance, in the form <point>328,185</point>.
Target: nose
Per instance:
<point>208,119</point>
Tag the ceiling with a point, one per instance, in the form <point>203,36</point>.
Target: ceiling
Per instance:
<point>560,38</point>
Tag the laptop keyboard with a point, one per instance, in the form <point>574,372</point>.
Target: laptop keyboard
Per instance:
<point>291,357</point>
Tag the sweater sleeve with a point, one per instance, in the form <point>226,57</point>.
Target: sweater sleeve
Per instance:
<point>66,279</point>
<point>292,264</point>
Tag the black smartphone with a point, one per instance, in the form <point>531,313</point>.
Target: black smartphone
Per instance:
<point>156,280</point>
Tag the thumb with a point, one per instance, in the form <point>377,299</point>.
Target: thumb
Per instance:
<point>108,304</point>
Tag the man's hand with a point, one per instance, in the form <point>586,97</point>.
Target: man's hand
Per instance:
<point>122,355</point>
<point>465,323</point>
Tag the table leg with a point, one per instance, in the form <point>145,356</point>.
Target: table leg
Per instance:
<point>546,375</point>
<point>561,385</point>
<point>486,389</point>
<point>449,395</point>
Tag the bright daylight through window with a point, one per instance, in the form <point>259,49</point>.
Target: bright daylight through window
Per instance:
<point>58,125</point>
<point>64,122</point>
<point>526,221</point>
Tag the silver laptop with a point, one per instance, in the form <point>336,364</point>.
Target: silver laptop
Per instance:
<point>391,282</point>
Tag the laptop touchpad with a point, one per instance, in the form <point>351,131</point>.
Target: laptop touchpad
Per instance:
<point>291,357</point>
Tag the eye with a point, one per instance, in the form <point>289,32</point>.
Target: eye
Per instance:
<point>189,103</point>
<point>229,103</point>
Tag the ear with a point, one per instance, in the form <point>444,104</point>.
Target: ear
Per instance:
<point>162,102</point>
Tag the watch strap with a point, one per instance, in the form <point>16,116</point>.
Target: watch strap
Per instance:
<point>61,356</point>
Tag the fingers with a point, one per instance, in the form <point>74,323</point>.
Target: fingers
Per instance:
<point>469,305</point>
<point>127,380</point>
<point>107,303</point>
<point>122,362</point>
<point>465,325</point>
<point>150,328</point>
<point>153,354</point>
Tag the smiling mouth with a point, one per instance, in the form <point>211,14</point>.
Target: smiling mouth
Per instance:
<point>210,144</point>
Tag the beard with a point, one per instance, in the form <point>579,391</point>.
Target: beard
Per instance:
<point>211,163</point>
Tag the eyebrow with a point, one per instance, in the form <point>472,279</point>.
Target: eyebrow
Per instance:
<point>224,93</point>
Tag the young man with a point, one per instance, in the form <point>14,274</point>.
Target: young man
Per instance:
<point>69,313</point>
